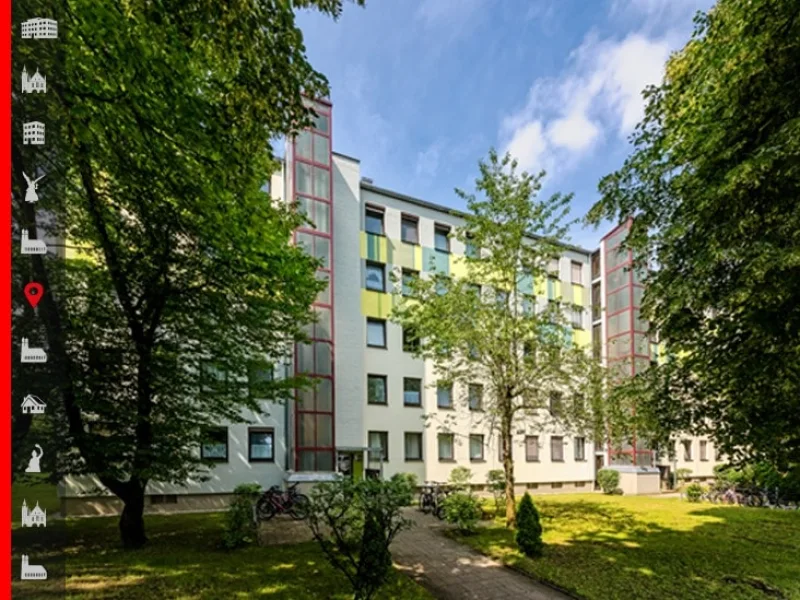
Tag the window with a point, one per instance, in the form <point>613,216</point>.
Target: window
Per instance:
<point>580,448</point>
<point>441,238</point>
<point>532,486</point>
<point>410,340</point>
<point>557,448</point>
<point>703,450</point>
<point>687,449</point>
<point>475,396</point>
<point>470,249</point>
<point>580,484</point>
<point>373,221</point>
<point>412,391</point>
<point>475,447</point>
<point>213,377</point>
<point>215,445</point>
<point>553,268</point>
<point>376,333</point>
<point>527,305</point>
<point>556,485</point>
<point>409,277</point>
<point>532,448</point>
<point>260,445</point>
<point>413,446</point>
<point>378,442</point>
<point>374,279</point>
<point>164,499</point>
<point>444,396</point>
<point>259,377</point>
<point>555,403</point>
<point>409,230</point>
<point>577,317</point>
<point>577,272</point>
<point>445,442</point>
<point>376,389</point>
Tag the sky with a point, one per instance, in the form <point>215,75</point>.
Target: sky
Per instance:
<point>422,89</point>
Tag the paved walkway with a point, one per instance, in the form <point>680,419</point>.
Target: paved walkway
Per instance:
<point>452,571</point>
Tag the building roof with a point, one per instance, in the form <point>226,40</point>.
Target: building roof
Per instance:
<point>445,209</point>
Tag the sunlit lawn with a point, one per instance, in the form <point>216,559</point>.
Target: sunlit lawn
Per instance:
<point>183,561</point>
<point>606,547</point>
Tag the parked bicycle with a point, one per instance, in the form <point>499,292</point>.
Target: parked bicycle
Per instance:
<point>275,501</point>
<point>431,498</point>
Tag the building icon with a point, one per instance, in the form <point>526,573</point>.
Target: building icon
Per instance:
<point>33,518</point>
<point>32,405</point>
<point>32,355</point>
<point>40,29</point>
<point>29,571</point>
<point>29,246</point>
<point>36,83</point>
<point>33,133</point>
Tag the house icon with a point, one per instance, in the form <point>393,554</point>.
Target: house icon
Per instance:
<point>35,517</point>
<point>32,405</point>
<point>33,83</point>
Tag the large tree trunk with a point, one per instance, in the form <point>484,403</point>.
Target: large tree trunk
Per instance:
<point>131,523</point>
<point>508,467</point>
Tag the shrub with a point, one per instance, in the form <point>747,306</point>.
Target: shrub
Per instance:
<point>241,527</point>
<point>529,528</point>
<point>681,475</point>
<point>694,492</point>
<point>409,482</point>
<point>460,478</point>
<point>354,523</point>
<point>608,480</point>
<point>496,480</point>
<point>463,511</point>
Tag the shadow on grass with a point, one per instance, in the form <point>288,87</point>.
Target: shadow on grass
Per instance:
<point>183,559</point>
<point>655,549</point>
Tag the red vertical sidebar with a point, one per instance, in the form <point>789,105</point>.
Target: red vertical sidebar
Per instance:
<point>5,294</point>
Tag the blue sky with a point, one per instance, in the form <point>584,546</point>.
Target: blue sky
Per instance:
<point>423,88</point>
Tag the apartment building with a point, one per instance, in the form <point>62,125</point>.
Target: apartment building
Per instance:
<point>378,409</point>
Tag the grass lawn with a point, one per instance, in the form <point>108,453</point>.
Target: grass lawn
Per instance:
<point>182,561</point>
<point>607,547</point>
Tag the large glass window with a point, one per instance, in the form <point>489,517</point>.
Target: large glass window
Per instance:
<point>557,448</point>
<point>413,445</point>
<point>444,396</point>
<point>409,230</point>
<point>408,279</point>
<point>441,238</point>
<point>302,178</point>
<point>259,377</point>
<point>321,154</point>
<point>556,401</point>
<point>302,145</point>
<point>412,391</point>
<point>580,448</point>
<point>475,396</point>
<point>322,183</point>
<point>577,317</point>
<point>379,445</point>
<point>410,340</point>
<point>619,346</point>
<point>617,238</point>
<point>446,446</point>
<point>471,249</point>
<point>376,389</point>
<point>475,447</point>
<point>324,296</point>
<point>260,445</point>
<point>322,251</point>
<point>532,448</point>
<point>323,358</point>
<point>215,444</point>
<point>373,221</point>
<point>619,300</point>
<point>376,333</point>
<point>617,279</point>
<point>374,279</point>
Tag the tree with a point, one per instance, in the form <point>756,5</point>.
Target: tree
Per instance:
<point>354,523</point>
<point>483,326</point>
<point>529,528</point>
<point>180,289</point>
<point>712,185</point>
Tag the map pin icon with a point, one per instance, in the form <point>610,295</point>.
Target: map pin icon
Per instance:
<point>33,292</point>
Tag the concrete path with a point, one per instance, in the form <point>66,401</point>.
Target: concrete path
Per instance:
<point>452,571</point>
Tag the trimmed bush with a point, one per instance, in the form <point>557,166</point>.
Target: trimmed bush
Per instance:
<point>241,527</point>
<point>694,492</point>
<point>460,478</point>
<point>608,480</point>
<point>529,528</point>
<point>463,511</point>
<point>408,481</point>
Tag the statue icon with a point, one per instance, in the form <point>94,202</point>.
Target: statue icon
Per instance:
<point>33,463</point>
<point>30,194</point>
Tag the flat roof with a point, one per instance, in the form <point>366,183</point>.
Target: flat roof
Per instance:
<point>446,209</point>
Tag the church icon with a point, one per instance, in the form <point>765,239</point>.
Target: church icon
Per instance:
<point>36,517</point>
<point>36,83</point>
<point>29,571</point>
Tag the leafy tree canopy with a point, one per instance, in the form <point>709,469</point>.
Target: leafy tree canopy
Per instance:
<point>713,184</point>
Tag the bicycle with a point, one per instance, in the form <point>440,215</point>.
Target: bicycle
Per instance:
<point>431,498</point>
<point>274,501</point>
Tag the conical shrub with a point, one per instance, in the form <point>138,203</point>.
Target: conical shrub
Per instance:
<point>529,529</point>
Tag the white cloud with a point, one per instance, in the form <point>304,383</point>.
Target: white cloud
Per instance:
<point>427,164</point>
<point>574,132</point>
<point>529,146</point>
